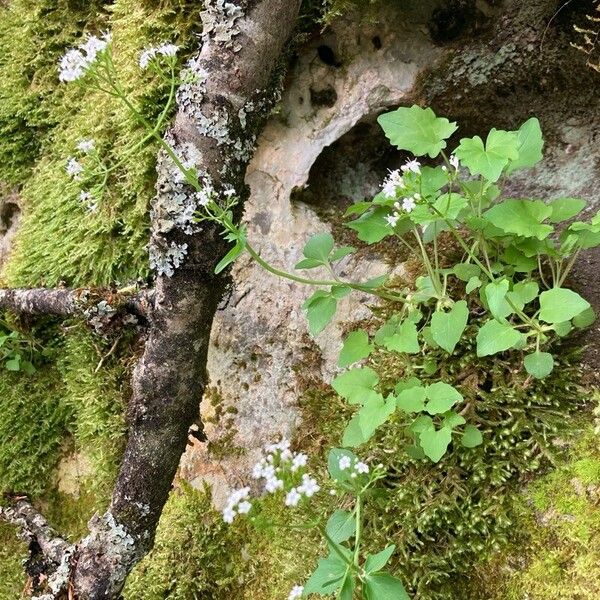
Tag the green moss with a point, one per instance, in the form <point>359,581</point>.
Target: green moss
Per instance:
<point>557,554</point>
<point>196,555</point>
<point>12,552</point>
<point>59,240</point>
<point>32,428</point>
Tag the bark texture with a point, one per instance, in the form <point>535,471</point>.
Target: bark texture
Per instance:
<point>67,302</point>
<point>216,125</point>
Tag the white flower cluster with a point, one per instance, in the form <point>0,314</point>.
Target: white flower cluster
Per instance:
<point>237,504</point>
<point>296,592</point>
<point>359,467</point>
<point>407,205</point>
<point>74,168</point>
<point>149,54</point>
<point>87,198</point>
<point>77,61</point>
<point>86,146</point>
<point>165,260</point>
<point>279,461</point>
<point>453,160</point>
<point>395,180</point>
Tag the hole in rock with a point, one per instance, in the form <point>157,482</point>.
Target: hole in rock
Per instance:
<point>326,96</point>
<point>376,41</point>
<point>327,55</point>
<point>9,213</point>
<point>455,19</point>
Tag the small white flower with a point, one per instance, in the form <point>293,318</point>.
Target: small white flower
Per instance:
<point>229,514</point>
<point>444,168</point>
<point>167,49</point>
<point>286,455</point>
<point>85,196</point>
<point>244,507</point>
<point>411,166</point>
<point>273,484</point>
<point>298,461</point>
<point>293,497</point>
<point>74,168</point>
<point>268,471</point>
<point>296,592</point>
<point>86,145</point>
<point>309,486</point>
<point>354,476</point>
<point>361,467</point>
<point>344,463</point>
<point>333,492</point>
<point>408,204</point>
<point>392,219</point>
<point>454,161</point>
<point>150,54</point>
<point>76,61</point>
<point>391,183</point>
<point>258,470</point>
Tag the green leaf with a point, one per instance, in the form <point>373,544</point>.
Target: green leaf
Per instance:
<point>328,577</point>
<point>347,591</point>
<point>448,206</point>
<point>308,263</point>
<point>356,347</point>
<point>340,253</point>
<point>495,294</point>
<point>447,327</point>
<point>358,208</point>
<point>412,400</point>
<point>530,144</point>
<point>489,161</point>
<point>381,586</point>
<point>539,364</point>
<point>435,442</point>
<point>353,434</point>
<point>375,282</point>
<point>376,562</point>
<point>521,217</point>
<point>406,384</point>
<point>372,227</point>
<point>560,304</point>
<point>230,256</point>
<point>374,413</point>
<point>585,318</point>
<point>320,308</point>
<point>13,364</point>
<point>341,526</point>
<point>417,130</point>
<point>524,292</point>
<point>333,464</point>
<point>563,329</point>
<point>357,385</point>
<point>425,289</point>
<point>473,284</point>
<point>421,423</point>
<point>340,291</point>
<point>466,271</point>
<point>442,397</point>
<point>564,209</point>
<point>404,339</point>
<point>471,437</point>
<point>495,337</point>
<point>319,247</point>
<point>452,420</point>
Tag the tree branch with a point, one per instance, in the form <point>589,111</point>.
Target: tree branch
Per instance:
<point>85,303</point>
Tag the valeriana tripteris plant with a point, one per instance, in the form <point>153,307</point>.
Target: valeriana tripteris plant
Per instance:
<point>347,571</point>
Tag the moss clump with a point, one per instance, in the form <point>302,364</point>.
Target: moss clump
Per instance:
<point>12,552</point>
<point>32,427</point>
<point>96,373</point>
<point>558,551</point>
<point>59,240</point>
<point>446,518</point>
<point>195,555</point>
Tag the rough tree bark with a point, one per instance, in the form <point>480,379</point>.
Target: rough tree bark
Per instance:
<point>218,119</point>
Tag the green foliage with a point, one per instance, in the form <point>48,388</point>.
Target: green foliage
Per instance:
<point>42,121</point>
<point>417,130</point>
<point>195,554</point>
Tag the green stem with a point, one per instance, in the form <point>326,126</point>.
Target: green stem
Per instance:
<point>358,517</point>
